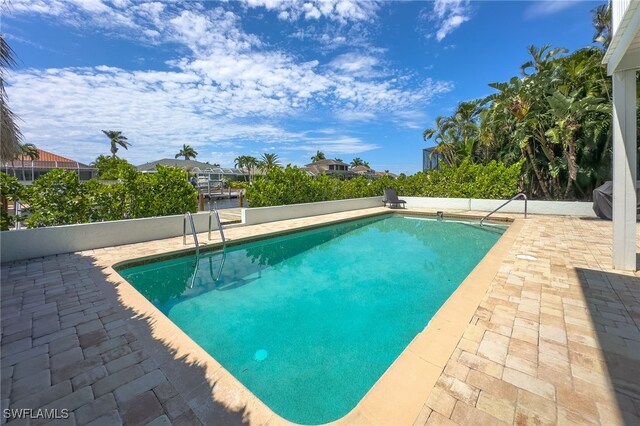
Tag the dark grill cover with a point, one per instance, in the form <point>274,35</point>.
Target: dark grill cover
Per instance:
<point>603,200</point>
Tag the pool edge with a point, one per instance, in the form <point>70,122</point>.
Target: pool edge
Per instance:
<point>400,393</point>
<point>386,402</point>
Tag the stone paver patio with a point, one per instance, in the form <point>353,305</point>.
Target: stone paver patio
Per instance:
<point>555,340</point>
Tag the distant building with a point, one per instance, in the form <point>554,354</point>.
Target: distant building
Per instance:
<point>330,167</point>
<point>392,175</point>
<point>203,170</point>
<point>365,171</point>
<point>430,159</point>
<point>339,168</point>
<point>27,170</point>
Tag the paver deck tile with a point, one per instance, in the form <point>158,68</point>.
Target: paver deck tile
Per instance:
<point>554,340</point>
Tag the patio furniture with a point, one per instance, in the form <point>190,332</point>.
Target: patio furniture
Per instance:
<point>603,200</point>
<point>391,198</point>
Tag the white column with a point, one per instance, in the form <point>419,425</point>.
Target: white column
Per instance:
<point>624,170</point>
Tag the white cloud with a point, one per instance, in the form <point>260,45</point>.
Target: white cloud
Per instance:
<point>328,37</point>
<point>337,10</point>
<point>548,7</point>
<point>447,15</point>
<point>356,64</point>
<point>410,119</point>
<point>450,24</point>
<point>355,115</point>
<point>230,90</point>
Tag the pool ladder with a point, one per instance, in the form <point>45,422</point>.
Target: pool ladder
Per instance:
<point>520,195</point>
<point>189,216</point>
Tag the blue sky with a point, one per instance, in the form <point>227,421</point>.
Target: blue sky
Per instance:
<point>351,78</point>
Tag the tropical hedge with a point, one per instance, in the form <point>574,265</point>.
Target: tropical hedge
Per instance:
<point>58,198</point>
<point>292,185</point>
<point>555,118</point>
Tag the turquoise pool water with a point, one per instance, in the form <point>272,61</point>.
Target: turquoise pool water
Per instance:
<point>310,321</point>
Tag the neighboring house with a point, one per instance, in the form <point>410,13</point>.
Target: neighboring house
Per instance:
<point>338,168</point>
<point>365,171</point>
<point>330,167</point>
<point>392,175</point>
<point>26,170</point>
<point>203,170</point>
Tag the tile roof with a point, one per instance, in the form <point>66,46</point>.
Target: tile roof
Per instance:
<point>326,162</point>
<point>47,156</point>
<point>46,160</point>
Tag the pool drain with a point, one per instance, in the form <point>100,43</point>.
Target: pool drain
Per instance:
<point>261,355</point>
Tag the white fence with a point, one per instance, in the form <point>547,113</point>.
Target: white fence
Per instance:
<point>566,208</point>
<point>257,215</point>
<point>30,243</point>
<point>37,242</point>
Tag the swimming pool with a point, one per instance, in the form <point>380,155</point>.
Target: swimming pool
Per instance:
<point>309,321</point>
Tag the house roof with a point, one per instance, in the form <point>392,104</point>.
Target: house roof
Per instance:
<point>188,164</point>
<point>171,162</point>
<point>625,42</point>
<point>361,169</point>
<point>47,156</point>
<point>380,174</point>
<point>46,160</point>
<point>313,170</point>
<point>327,162</point>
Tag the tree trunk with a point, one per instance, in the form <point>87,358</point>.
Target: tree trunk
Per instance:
<point>572,165</point>
<point>555,181</point>
<point>536,170</point>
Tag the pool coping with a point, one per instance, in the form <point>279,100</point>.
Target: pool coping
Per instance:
<point>398,395</point>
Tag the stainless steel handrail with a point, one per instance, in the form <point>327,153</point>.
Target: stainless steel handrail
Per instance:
<point>522,194</point>
<point>215,213</point>
<point>193,231</point>
<point>219,223</point>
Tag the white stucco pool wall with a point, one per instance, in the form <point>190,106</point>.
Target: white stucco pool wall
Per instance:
<point>31,243</point>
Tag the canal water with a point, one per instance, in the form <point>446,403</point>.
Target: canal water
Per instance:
<point>223,203</point>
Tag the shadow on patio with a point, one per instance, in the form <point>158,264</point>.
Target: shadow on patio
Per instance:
<point>70,340</point>
<point>613,301</point>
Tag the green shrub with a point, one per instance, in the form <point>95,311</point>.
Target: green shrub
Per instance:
<point>112,168</point>
<point>10,191</point>
<point>171,192</point>
<point>238,184</point>
<point>105,202</point>
<point>292,185</point>
<point>468,180</point>
<point>56,198</point>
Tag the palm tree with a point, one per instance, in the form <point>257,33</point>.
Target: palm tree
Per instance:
<point>445,140</point>
<point>117,138</point>
<point>602,24</point>
<point>319,156</point>
<point>187,152</point>
<point>571,113</point>
<point>268,162</point>
<point>356,162</point>
<point>542,58</point>
<point>28,150</point>
<point>9,132</point>
<point>338,159</point>
<point>246,162</point>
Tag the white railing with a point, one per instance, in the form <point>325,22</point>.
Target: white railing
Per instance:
<point>618,9</point>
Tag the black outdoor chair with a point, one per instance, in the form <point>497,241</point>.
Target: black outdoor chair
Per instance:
<point>391,198</point>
